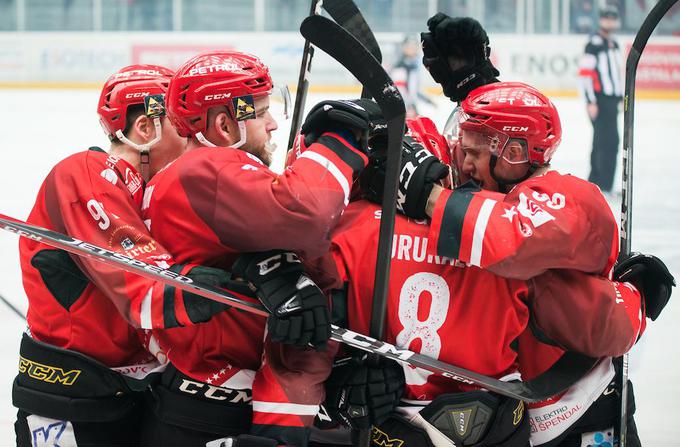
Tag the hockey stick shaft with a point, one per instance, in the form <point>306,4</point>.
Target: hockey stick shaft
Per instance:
<point>519,390</point>
<point>343,44</point>
<point>302,85</point>
<point>641,38</point>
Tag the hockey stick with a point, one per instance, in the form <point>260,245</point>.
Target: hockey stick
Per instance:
<point>303,83</point>
<point>641,38</point>
<point>12,307</point>
<point>539,389</point>
<point>355,57</point>
<point>347,14</point>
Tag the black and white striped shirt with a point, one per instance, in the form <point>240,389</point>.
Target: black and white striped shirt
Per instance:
<point>600,70</point>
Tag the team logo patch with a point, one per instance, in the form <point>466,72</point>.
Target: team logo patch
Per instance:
<point>533,211</point>
<point>127,244</point>
<point>154,105</point>
<point>244,107</point>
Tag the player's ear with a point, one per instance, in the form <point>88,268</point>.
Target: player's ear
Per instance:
<point>222,126</point>
<point>144,127</point>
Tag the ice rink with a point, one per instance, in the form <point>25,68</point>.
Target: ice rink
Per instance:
<point>40,127</point>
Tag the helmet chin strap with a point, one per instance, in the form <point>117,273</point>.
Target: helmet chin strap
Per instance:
<point>504,185</point>
<point>144,147</point>
<point>242,131</point>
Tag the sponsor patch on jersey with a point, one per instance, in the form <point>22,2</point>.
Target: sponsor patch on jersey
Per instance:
<point>244,107</point>
<point>154,105</point>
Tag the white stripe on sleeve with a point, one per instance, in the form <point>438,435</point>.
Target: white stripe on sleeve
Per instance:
<point>145,310</point>
<point>330,167</point>
<point>480,229</point>
<point>285,408</point>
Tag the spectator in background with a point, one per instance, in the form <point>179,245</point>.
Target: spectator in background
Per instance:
<point>406,76</point>
<point>583,18</point>
<point>602,87</point>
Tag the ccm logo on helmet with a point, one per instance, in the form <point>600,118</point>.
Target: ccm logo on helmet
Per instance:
<point>216,96</point>
<point>136,95</point>
<point>516,128</point>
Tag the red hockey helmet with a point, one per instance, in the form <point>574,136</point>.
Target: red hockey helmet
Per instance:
<point>129,86</point>
<point>210,79</point>
<point>507,110</point>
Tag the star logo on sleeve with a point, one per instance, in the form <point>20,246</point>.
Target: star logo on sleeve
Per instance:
<point>510,213</point>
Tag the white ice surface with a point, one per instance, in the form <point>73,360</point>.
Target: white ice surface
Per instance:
<point>40,127</point>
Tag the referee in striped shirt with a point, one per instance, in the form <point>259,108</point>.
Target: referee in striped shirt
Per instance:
<point>602,87</point>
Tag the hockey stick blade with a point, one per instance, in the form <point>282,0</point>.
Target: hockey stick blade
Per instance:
<point>347,14</point>
<point>355,57</point>
<point>536,390</point>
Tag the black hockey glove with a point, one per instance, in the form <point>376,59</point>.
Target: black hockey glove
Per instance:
<point>420,170</point>
<point>359,395</point>
<point>330,115</point>
<point>460,42</point>
<point>248,441</point>
<point>299,310</point>
<point>651,277</point>
<point>198,308</point>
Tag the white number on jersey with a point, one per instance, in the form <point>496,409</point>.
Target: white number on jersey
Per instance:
<point>426,331</point>
<point>97,212</point>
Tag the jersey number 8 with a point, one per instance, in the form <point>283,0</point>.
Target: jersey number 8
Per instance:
<point>426,330</point>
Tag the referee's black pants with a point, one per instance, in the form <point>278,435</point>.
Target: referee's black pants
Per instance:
<point>605,143</point>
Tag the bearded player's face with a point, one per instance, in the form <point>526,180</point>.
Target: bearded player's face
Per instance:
<point>476,159</point>
<point>259,131</point>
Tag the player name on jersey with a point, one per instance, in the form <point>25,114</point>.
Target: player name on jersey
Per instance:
<point>406,247</point>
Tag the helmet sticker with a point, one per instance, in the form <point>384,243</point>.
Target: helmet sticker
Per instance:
<point>244,107</point>
<point>154,106</point>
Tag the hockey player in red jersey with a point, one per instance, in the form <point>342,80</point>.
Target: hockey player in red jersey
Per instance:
<point>84,316</point>
<point>545,220</point>
<point>220,201</point>
<point>459,314</point>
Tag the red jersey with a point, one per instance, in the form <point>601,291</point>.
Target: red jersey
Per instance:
<point>548,221</point>
<point>94,197</point>
<point>434,301</point>
<point>213,203</point>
